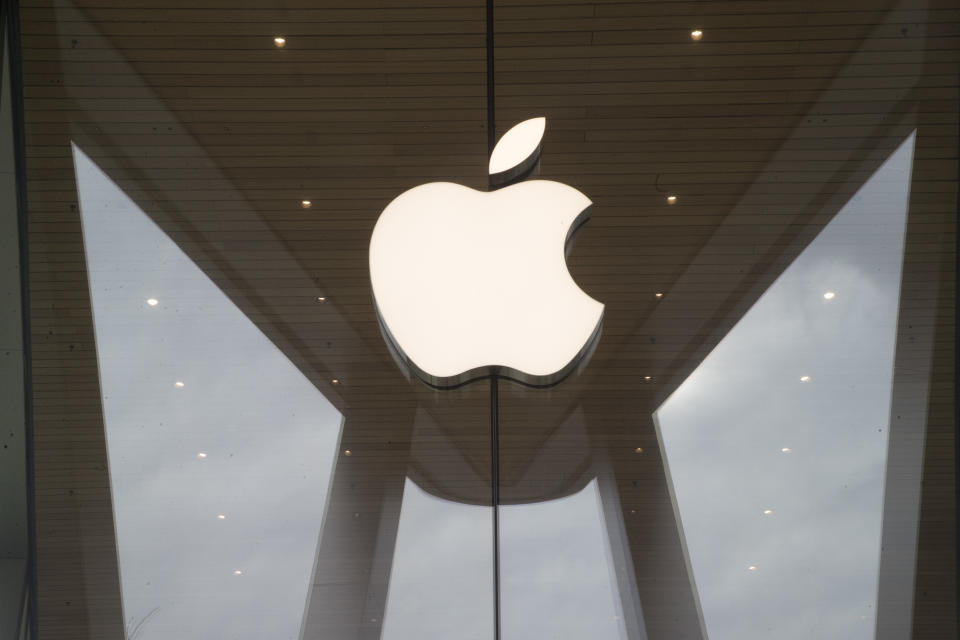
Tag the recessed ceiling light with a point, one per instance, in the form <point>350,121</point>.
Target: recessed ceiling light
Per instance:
<point>201,455</point>
<point>321,299</point>
<point>658,294</point>
<point>178,384</point>
<point>220,516</point>
<point>671,199</point>
<point>767,512</point>
<point>751,568</point>
<point>647,378</point>
<point>237,572</point>
<point>347,452</point>
<point>279,41</point>
<point>829,295</point>
<point>785,450</point>
<point>152,302</point>
<point>306,204</point>
<point>335,381</point>
<point>638,450</point>
<point>804,378</point>
<point>696,34</point>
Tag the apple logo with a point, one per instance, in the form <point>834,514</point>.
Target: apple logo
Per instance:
<point>469,284</point>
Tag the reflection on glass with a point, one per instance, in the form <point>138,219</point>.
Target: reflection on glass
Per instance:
<point>220,450</point>
<point>556,570</point>
<point>776,445</point>
<point>441,582</point>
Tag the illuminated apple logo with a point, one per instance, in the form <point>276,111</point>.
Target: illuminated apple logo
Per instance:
<point>469,284</point>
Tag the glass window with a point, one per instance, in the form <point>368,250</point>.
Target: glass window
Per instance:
<point>229,439</point>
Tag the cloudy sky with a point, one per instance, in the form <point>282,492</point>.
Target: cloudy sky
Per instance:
<point>811,375</point>
<point>557,579</point>
<point>267,434</point>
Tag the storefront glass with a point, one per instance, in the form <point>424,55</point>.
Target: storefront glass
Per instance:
<point>228,441</point>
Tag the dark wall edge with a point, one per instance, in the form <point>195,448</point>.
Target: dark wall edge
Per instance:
<point>11,11</point>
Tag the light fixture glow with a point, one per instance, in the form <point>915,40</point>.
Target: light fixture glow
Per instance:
<point>178,384</point>
<point>658,294</point>
<point>335,381</point>
<point>237,572</point>
<point>152,302</point>
<point>220,516</point>
<point>347,452</point>
<point>647,378</point>
<point>638,450</point>
<point>321,299</point>
<point>829,295</point>
<point>201,455</point>
<point>671,199</point>
<point>696,34</point>
<point>451,314</point>
<point>306,204</point>
<point>279,41</point>
<point>751,568</point>
<point>785,450</point>
<point>804,378</point>
<point>767,512</point>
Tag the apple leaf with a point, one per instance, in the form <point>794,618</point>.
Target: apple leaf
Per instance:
<point>517,145</point>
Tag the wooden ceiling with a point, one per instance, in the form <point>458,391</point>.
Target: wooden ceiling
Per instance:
<point>764,128</point>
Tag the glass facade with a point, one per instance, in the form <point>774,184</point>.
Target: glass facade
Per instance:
<point>216,431</point>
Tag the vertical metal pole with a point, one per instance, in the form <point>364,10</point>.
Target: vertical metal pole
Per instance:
<point>956,404</point>
<point>491,94</point>
<point>495,496</point>
<point>494,381</point>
